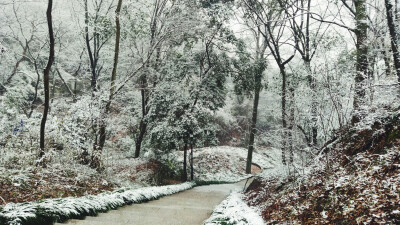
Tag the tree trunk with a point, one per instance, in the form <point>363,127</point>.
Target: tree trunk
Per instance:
<point>191,163</point>
<point>36,89</point>
<point>53,88</point>
<point>46,81</point>
<point>102,130</point>
<point>386,57</point>
<point>361,32</point>
<point>393,37</point>
<point>184,174</point>
<point>311,80</point>
<point>253,128</point>
<point>139,139</point>
<point>314,105</point>
<point>283,107</point>
<point>291,125</point>
<point>93,83</point>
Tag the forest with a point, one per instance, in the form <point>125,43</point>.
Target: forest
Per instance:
<point>275,111</point>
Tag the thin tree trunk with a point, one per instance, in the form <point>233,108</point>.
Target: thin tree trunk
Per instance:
<point>113,76</point>
<point>184,174</point>
<point>159,6</point>
<point>291,126</point>
<point>386,57</point>
<point>46,81</point>
<point>283,108</point>
<point>191,163</point>
<point>98,148</point>
<point>253,128</point>
<point>53,88</point>
<point>36,89</point>
<point>65,83</point>
<point>89,49</point>
<point>139,139</point>
<point>361,32</point>
<point>393,37</point>
<point>312,83</point>
<point>314,103</point>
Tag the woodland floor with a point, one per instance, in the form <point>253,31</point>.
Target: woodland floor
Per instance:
<point>43,183</point>
<point>355,180</point>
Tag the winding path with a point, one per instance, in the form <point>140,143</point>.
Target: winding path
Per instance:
<point>190,207</point>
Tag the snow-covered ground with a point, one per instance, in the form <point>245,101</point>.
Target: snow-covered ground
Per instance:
<point>234,210</point>
<point>224,163</point>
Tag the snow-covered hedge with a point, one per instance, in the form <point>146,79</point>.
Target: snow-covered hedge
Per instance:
<point>62,209</point>
<point>234,211</point>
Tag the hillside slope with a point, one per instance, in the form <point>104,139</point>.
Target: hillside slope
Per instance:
<point>354,180</point>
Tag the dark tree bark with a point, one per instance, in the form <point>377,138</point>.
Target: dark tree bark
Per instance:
<point>46,80</point>
<point>361,32</point>
<point>36,88</point>
<point>145,93</point>
<point>89,49</point>
<point>306,47</point>
<point>191,163</point>
<point>65,83</point>
<point>98,148</point>
<point>283,112</point>
<point>274,27</point>
<point>393,37</point>
<point>291,124</point>
<point>184,174</point>
<point>113,76</point>
<point>143,123</point>
<point>253,128</point>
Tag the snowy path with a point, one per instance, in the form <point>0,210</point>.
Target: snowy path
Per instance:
<point>189,207</point>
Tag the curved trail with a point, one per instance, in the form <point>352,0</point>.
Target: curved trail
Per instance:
<point>190,207</point>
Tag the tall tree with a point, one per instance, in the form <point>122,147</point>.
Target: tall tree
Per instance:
<point>156,26</point>
<point>46,75</point>
<point>271,22</point>
<point>258,74</point>
<point>394,36</point>
<point>102,130</point>
<point>248,81</point>
<point>358,9</point>
<point>96,42</point>
<point>306,44</point>
<point>361,32</point>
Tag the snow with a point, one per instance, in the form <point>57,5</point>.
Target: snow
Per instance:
<point>234,211</point>
<point>17,213</point>
<point>223,163</point>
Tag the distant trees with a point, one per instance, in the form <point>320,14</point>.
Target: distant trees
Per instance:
<point>172,63</point>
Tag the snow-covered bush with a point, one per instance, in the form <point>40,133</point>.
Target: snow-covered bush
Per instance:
<point>234,211</point>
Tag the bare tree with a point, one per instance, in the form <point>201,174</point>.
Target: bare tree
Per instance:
<point>113,78</point>
<point>272,23</point>
<point>46,81</point>
<point>156,26</point>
